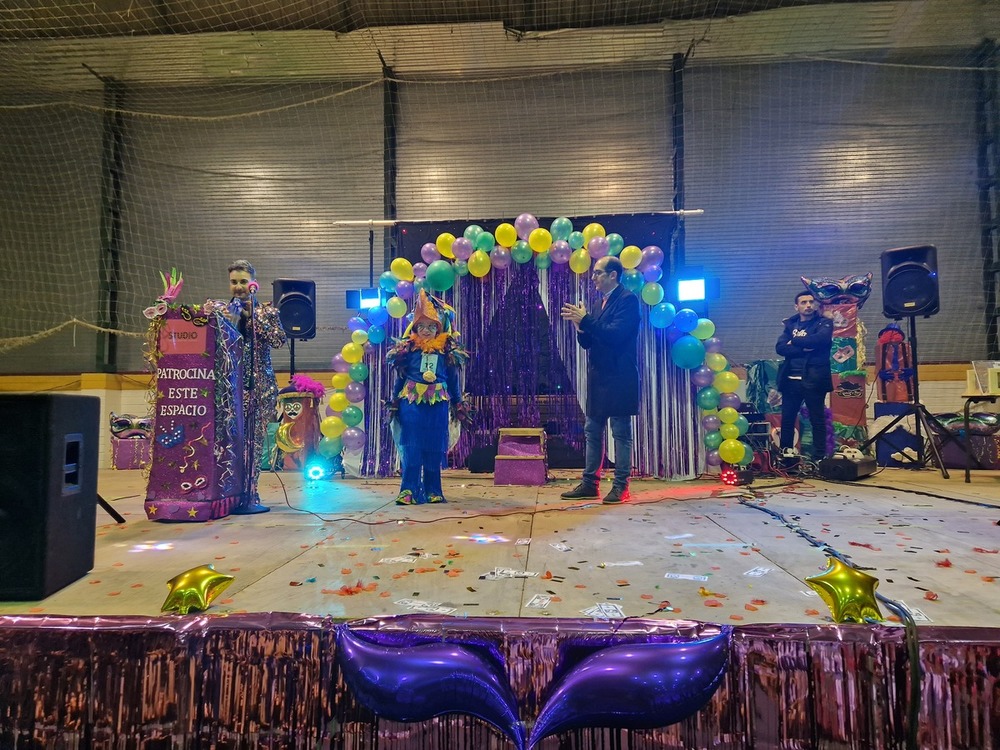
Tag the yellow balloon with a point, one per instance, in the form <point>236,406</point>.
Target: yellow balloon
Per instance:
<point>540,240</point>
<point>728,415</point>
<point>352,352</point>
<point>731,451</point>
<point>848,592</point>
<point>729,431</point>
<point>339,401</point>
<point>443,243</point>
<point>402,268</point>
<point>285,441</point>
<point>359,337</point>
<point>579,261</point>
<point>505,235</point>
<point>334,427</point>
<point>479,264</point>
<point>716,362</point>
<point>195,589</point>
<point>726,382</point>
<point>630,256</point>
<point>340,380</point>
<point>396,307</point>
<point>592,230</point>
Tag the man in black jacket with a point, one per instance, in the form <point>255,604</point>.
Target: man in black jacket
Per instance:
<point>610,336</point>
<point>805,376</point>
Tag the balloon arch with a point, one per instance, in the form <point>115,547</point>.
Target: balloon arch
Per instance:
<point>693,345</point>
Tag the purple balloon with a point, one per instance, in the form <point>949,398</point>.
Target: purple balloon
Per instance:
<point>560,251</point>
<point>500,258</point>
<point>429,253</point>
<point>703,376</point>
<point>404,289</point>
<point>420,270</point>
<point>340,364</point>
<point>597,247</point>
<point>673,334</point>
<point>353,438</point>
<point>711,422</point>
<point>635,686</point>
<point>416,683</point>
<point>355,392</point>
<point>712,458</point>
<point>713,345</point>
<point>462,248</point>
<point>651,256</point>
<point>653,273</point>
<point>730,399</point>
<point>525,224</point>
<point>357,324</point>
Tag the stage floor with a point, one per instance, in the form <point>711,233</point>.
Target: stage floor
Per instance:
<point>694,550</point>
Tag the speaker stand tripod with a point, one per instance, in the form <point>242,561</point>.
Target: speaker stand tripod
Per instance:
<point>109,510</point>
<point>924,422</point>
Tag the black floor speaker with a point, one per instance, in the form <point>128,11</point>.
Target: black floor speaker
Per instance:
<point>843,469</point>
<point>48,492</point>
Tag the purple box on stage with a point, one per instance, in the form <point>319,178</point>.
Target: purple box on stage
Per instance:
<point>521,457</point>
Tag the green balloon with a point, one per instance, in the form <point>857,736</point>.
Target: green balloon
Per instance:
<point>521,252</point>
<point>652,293</point>
<point>440,276</point>
<point>461,268</point>
<point>472,232</point>
<point>561,228</point>
<point>713,440</point>
<point>352,416</point>
<point>708,398</point>
<point>615,243</point>
<point>575,240</point>
<point>329,447</point>
<point>358,372</point>
<point>485,242</point>
<point>543,260</point>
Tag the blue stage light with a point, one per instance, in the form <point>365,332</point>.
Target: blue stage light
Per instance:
<point>316,471</point>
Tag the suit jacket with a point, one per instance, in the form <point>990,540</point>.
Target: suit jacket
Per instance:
<point>610,336</point>
<point>812,350</point>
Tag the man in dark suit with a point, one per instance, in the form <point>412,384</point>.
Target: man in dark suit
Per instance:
<point>610,336</point>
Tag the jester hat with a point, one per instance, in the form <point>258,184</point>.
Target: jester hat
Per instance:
<point>433,310</point>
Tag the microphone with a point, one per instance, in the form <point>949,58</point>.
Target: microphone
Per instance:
<point>252,287</point>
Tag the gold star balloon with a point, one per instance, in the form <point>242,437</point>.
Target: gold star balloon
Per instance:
<point>849,593</point>
<point>195,589</point>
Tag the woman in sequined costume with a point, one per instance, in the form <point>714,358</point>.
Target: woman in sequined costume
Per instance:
<point>425,391</point>
<point>260,390</point>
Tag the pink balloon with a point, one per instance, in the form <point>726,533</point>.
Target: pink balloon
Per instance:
<point>429,253</point>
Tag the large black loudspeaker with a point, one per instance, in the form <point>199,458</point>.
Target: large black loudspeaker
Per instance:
<point>48,492</point>
<point>296,303</point>
<point>910,282</point>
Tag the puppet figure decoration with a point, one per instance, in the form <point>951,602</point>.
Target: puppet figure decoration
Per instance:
<point>131,438</point>
<point>298,432</point>
<point>425,393</point>
<point>845,291</point>
<point>842,299</point>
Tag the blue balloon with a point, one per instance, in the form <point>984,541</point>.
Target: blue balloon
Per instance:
<point>632,280</point>
<point>686,320</point>
<point>378,316</point>
<point>639,686</point>
<point>662,315</point>
<point>687,352</point>
<point>388,281</point>
<point>376,335</point>
<point>418,682</point>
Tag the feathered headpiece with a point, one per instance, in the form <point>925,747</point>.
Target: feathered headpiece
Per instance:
<point>432,309</point>
<point>171,290</point>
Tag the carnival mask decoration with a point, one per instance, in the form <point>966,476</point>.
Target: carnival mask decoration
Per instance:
<point>131,427</point>
<point>847,290</point>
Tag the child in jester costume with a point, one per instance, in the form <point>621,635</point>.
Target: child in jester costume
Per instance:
<point>425,393</point>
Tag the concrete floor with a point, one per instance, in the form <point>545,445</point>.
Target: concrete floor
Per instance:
<point>689,550</point>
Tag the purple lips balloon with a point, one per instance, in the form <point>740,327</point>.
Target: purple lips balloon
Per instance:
<point>418,682</point>
<point>638,686</point>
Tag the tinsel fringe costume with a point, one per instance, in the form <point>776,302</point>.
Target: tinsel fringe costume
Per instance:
<point>262,399</point>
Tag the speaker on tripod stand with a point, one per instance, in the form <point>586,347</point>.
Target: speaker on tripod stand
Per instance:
<point>910,289</point>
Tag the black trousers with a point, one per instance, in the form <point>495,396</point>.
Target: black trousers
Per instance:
<point>792,397</point>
